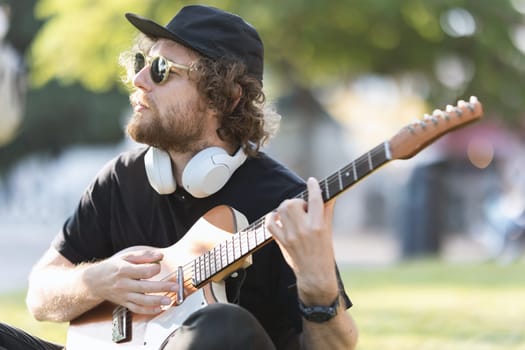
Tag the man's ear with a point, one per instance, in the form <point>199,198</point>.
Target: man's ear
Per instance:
<point>236,97</point>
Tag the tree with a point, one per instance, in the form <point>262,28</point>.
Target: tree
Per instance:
<point>451,48</point>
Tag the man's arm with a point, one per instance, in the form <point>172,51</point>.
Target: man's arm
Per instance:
<point>61,291</point>
<point>303,231</point>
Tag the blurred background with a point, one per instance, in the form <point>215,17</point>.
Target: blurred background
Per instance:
<point>345,75</point>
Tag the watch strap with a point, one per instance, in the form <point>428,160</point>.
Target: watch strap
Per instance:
<point>317,313</point>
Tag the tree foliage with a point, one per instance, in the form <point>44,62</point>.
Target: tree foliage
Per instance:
<point>452,48</point>
<point>319,41</point>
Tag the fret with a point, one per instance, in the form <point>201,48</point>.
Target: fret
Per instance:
<point>196,271</point>
<point>361,167</point>
<point>334,186</point>
<point>244,243</point>
<point>201,268</point>
<point>207,266</point>
<point>340,178</point>
<point>211,257</point>
<point>379,156</point>
<point>346,177</point>
<point>259,234</point>
<point>325,189</point>
<point>213,261</point>
<point>354,171</point>
<point>267,235</point>
<point>388,155</point>
<point>370,165</point>
<point>224,256</point>
<point>259,228</point>
<point>229,250</point>
<point>218,258</point>
<point>237,252</point>
<point>249,240</point>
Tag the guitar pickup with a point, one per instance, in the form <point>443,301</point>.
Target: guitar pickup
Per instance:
<point>121,325</point>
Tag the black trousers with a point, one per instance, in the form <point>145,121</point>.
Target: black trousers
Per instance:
<point>216,326</point>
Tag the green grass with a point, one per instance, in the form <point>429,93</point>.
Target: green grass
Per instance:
<point>427,305</point>
<point>423,305</point>
<point>13,311</point>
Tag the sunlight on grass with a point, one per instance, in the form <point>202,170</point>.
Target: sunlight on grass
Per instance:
<point>425,305</point>
<point>14,312</point>
<point>421,305</point>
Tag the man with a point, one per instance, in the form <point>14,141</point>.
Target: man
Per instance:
<point>198,89</point>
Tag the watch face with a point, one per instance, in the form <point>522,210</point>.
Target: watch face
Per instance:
<point>319,313</point>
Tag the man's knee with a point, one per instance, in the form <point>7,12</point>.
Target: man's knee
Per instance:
<point>220,326</point>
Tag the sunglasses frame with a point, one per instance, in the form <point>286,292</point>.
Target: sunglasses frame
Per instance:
<point>148,60</point>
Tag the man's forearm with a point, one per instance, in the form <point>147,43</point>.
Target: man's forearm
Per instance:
<point>59,293</point>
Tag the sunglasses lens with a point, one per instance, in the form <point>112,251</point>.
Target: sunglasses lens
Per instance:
<point>139,63</point>
<point>159,69</point>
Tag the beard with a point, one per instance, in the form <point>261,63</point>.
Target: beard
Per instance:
<point>180,128</point>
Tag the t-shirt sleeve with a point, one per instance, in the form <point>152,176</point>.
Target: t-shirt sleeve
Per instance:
<point>83,236</point>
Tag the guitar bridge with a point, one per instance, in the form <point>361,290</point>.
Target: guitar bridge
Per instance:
<point>121,325</point>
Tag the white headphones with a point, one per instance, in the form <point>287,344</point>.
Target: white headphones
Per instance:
<point>206,173</point>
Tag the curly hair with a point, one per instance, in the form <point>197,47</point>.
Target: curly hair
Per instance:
<point>248,122</point>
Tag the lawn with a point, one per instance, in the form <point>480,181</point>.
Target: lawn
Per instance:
<point>423,305</point>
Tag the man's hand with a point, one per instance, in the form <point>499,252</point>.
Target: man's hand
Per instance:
<point>303,231</point>
<point>123,279</point>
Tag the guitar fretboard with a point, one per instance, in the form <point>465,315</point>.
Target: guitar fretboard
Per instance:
<point>255,236</point>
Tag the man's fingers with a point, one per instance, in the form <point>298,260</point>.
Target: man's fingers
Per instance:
<point>140,272</point>
<point>143,256</point>
<point>315,203</point>
<point>141,286</point>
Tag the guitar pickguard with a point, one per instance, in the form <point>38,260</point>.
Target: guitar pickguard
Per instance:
<point>158,329</point>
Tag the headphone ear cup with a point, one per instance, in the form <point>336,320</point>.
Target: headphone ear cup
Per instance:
<point>158,170</point>
<point>209,170</point>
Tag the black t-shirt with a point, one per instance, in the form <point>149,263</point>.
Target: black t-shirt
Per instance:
<point>120,209</point>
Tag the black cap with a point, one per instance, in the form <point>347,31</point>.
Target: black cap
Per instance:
<point>211,32</point>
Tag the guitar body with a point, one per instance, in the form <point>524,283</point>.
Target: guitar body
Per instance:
<point>93,329</point>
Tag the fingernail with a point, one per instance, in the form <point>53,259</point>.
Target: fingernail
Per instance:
<point>165,301</point>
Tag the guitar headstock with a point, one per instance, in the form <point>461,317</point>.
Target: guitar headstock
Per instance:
<point>416,136</point>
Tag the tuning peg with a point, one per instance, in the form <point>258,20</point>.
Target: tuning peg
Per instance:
<point>456,110</point>
<point>468,105</point>
<point>439,113</point>
<point>431,118</point>
<point>472,103</point>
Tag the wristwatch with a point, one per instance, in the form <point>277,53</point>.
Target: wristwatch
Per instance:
<point>319,314</point>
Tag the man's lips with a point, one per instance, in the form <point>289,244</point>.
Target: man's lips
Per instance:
<point>139,106</point>
<point>138,103</point>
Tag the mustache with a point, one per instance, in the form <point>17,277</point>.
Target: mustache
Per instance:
<point>138,98</point>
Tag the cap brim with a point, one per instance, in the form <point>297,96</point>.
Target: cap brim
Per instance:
<point>153,29</point>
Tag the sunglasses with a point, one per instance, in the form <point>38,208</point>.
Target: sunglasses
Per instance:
<point>160,67</point>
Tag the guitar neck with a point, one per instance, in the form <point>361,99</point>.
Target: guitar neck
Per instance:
<point>255,236</point>
<point>349,175</point>
<point>403,145</point>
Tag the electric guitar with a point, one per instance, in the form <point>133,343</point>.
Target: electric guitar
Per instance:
<point>221,242</point>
